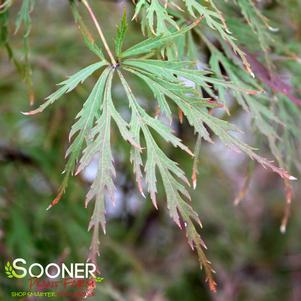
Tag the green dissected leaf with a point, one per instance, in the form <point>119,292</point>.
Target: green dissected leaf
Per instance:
<point>156,12</point>
<point>170,173</point>
<point>215,21</point>
<point>99,143</point>
<point>195,111</point>
<point>257,22</point>
<point>156,17</point>
<point>24,16</point>
<point>212,16</point>
<point>100,135</point>
<point>162,18</point>
<point>86,118</point>
<point>174,70</point>
<point>151,44</point>
<point>23,67</point>
<point>142,121</point>
<point>120,36</point>
<point>68,85</point>
<point>182,101</point>
<point>136,123</point>
<point>257,105</point>
<point>139,5</point>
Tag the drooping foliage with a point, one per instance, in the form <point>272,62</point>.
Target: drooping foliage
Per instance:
<point>168,62</point>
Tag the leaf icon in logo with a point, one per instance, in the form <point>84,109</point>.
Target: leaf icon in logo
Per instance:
<point>10,272</point>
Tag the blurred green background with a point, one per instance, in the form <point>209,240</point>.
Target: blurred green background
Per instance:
<point>144,256</point>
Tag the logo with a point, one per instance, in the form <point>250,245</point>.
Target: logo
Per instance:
<point>20,269</point>
<point>53,280</point>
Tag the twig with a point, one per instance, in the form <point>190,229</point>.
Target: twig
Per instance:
<point>103,39</point>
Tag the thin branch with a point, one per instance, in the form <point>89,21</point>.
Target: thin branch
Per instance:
<point>103,39</point>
